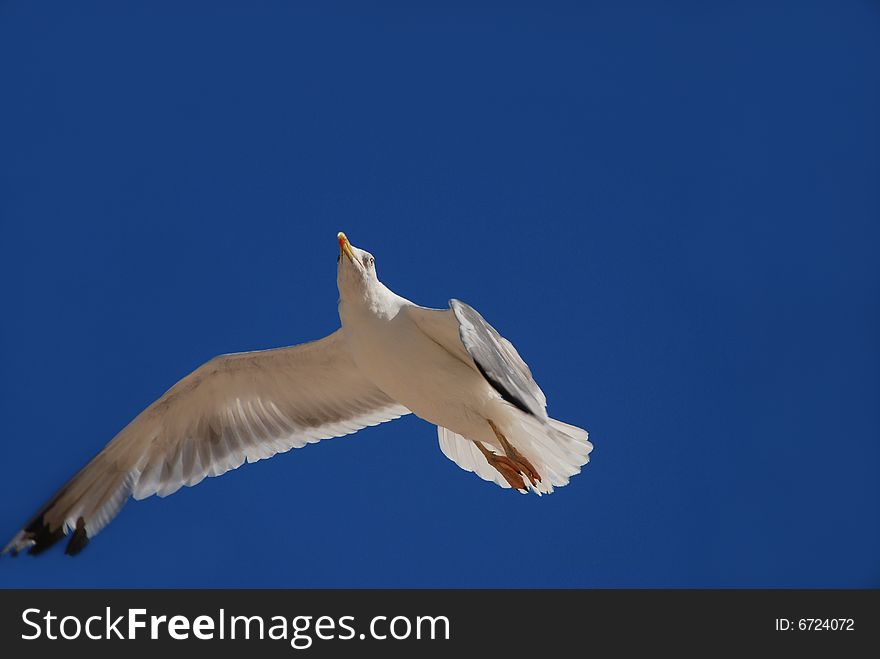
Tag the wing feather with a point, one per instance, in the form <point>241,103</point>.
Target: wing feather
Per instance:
<point>235,408</point>
<point>465,334</point>
<point>499,361</point>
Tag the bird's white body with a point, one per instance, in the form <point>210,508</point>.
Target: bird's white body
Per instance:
<point>418,357</point>
<point>415,370</point>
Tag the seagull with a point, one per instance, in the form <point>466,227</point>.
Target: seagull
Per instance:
<point>389,358</point>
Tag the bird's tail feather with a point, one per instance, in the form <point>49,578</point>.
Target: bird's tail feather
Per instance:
<point>556,450</point>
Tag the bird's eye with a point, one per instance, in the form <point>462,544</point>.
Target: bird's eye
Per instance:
<point>368,261</point>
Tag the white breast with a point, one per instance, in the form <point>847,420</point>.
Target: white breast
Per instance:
<point>417,372</point>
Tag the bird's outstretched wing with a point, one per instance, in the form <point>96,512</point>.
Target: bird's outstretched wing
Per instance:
<point>499,361</point>
<point>237,407</point>
<point>466,334</point>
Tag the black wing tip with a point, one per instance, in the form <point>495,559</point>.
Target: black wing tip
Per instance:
<point>78,540</point>
<point>42,536</point>
<point>38,535</point>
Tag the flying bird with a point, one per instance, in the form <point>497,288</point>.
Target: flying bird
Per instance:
<point>389,358</point>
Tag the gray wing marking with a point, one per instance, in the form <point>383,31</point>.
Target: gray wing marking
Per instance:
<point>498,361</point>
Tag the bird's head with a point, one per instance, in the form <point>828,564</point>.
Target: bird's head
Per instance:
<point>355,270</point>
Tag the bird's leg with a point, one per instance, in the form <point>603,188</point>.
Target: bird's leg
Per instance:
<point>522,464</point>
<point>504,466</point>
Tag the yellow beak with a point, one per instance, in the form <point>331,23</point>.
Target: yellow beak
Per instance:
<point>345,247</point>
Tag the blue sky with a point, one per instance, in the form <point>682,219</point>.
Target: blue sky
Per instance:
<point>671,209</point>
